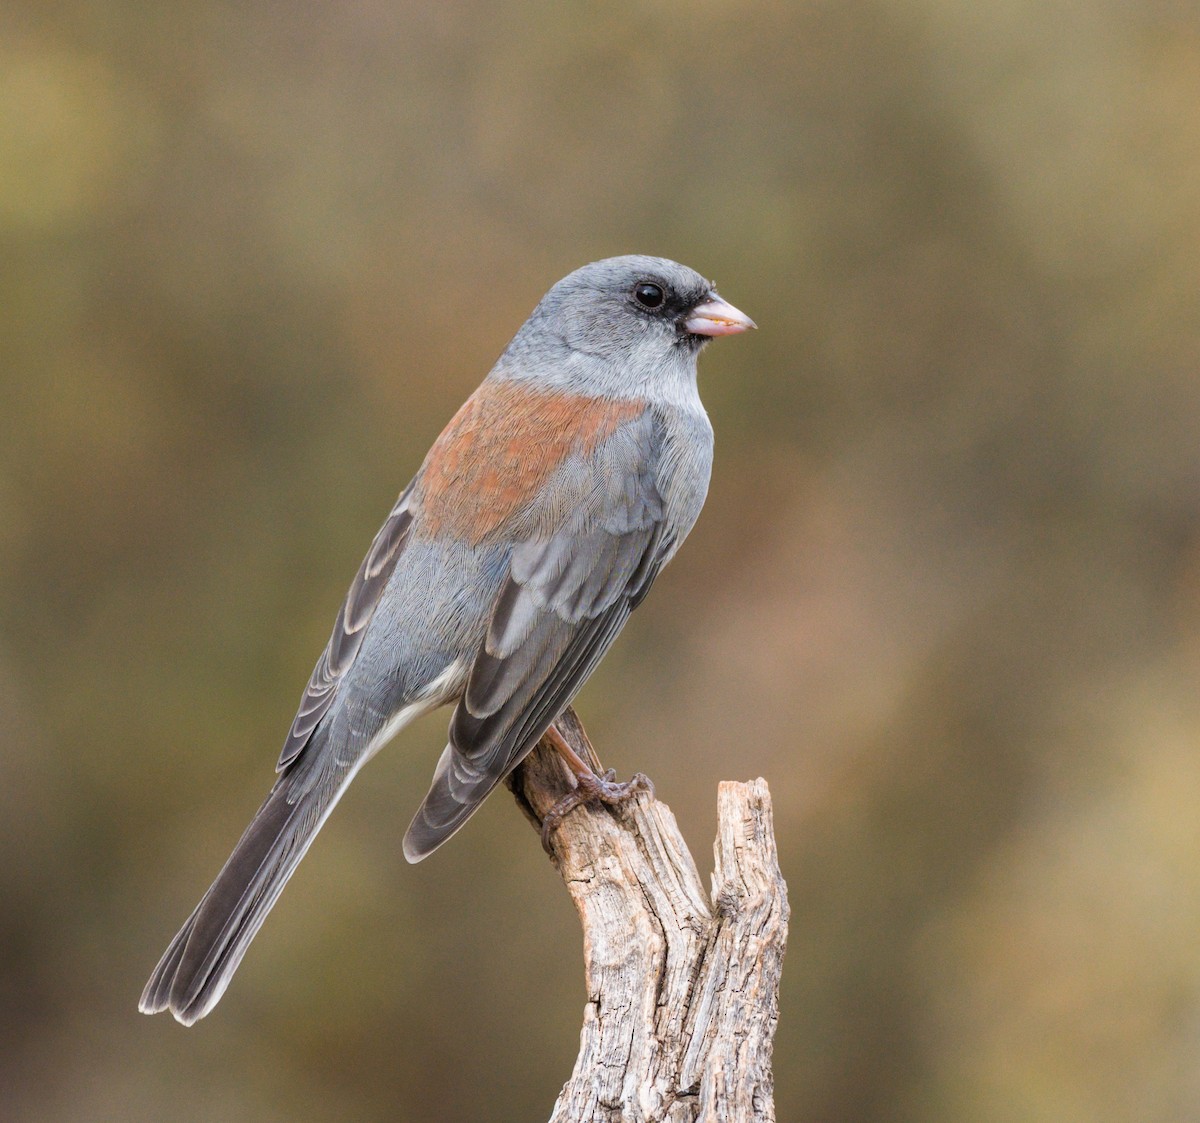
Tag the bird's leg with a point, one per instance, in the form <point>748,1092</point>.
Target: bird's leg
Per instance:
<point>590,787</point>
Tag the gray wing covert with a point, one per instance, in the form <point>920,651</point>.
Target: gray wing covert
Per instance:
<point>349,628</point>
<point>566,597</point>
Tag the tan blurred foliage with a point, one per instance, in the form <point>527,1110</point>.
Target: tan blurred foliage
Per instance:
<point>945,596</point>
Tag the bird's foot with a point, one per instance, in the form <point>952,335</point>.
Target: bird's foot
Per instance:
<point>591,788</point>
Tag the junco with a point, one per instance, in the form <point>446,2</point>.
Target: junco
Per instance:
<point>535,526</point>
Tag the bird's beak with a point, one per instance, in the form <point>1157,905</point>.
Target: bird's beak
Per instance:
<point>717,317</point>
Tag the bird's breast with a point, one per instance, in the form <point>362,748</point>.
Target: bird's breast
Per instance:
<point>684,466</point>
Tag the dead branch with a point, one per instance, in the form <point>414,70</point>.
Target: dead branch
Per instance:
<point>682,986</point>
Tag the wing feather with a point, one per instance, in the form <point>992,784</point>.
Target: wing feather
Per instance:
<point>566,598</point>
<point>349,628</point>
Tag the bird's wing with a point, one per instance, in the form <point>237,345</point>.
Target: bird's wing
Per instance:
<point>567,595</point>
<point>349,627</point>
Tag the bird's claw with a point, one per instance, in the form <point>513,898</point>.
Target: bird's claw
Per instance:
<point>592,788</point>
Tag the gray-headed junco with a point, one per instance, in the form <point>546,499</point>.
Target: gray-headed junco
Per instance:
<point>535,526</point>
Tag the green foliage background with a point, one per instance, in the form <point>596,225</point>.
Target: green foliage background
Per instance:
<point>945,595</point>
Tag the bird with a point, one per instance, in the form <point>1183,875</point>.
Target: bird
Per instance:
<point>536,524</point>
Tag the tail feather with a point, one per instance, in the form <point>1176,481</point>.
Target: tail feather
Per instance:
<point>201,960</point>
<point>157,995</point>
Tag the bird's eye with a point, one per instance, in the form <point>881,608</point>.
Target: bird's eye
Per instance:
<point>648,294</point>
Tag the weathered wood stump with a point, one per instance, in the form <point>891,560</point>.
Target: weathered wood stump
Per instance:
<point>682,987</point>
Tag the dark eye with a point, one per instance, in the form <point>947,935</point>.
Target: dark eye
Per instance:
<point>648,294</point>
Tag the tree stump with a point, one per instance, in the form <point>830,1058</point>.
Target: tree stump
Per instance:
<point>682,987</point>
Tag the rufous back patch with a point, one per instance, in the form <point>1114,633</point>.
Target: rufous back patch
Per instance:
<point>501,447</point>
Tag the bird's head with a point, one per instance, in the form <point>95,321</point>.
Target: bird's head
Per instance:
<point>625,319</point>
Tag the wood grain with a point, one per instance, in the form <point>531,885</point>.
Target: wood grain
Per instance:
<point>682,984</point>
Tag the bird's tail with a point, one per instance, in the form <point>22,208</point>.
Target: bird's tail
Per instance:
<point>195,970</point>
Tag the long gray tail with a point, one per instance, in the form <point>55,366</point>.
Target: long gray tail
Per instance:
<point>197,967</point>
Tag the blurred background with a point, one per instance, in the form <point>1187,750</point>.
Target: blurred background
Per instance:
<point>945,595</point>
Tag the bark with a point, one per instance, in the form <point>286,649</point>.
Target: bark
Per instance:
<point>682,985</point>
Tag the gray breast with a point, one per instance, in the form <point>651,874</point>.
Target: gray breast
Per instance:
<point>684,466</point>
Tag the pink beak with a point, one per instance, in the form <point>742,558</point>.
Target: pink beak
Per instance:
<point>717,317</point>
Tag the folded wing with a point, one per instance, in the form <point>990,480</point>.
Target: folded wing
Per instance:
<point>568,593</point>
<point>349,628</point>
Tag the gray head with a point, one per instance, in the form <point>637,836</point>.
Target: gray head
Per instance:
<point>621,323</point>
